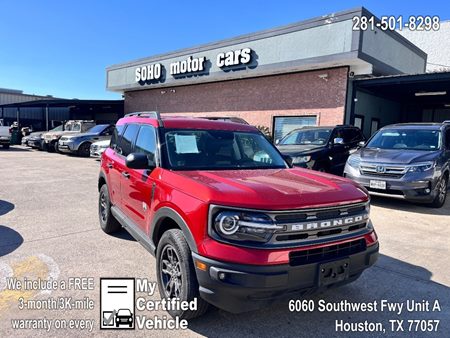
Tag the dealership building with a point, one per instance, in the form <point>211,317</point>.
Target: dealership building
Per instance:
<point>315,72</point>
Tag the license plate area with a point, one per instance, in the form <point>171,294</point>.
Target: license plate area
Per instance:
<point>376,184</point>
<point>334,272</point>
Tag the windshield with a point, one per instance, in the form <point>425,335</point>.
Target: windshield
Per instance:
<point>220,150</point>
<point>124,312</point>
<point>58,128</point>
<point>97,129</point>
<point>407,139</point>
<point>307,136</point>
<point>73,127</point>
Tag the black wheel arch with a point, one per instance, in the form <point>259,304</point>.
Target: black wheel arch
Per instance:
<point>101,180</point>
<point>166,218</point>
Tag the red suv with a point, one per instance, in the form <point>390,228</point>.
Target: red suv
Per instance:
<point>230,223</point>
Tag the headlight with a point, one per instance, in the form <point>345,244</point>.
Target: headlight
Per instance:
<point>354,161</point>
<point>54,137</point>
<point>301,159</point>
<point>421,167</point>
<point>244,226</point>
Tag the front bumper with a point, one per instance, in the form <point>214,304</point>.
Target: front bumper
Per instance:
<point>5,140</point>
<point>97,152</point>
<point>36,143</point>
<point>415,187</point>
<point>67,146</point>
<point>238,288</point>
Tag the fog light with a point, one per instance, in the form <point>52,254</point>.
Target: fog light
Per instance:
<point>222,275</point>
<point>427,190</point>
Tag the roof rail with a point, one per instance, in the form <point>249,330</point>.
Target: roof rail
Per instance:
<point>153,114</point>
<point>225,119</point>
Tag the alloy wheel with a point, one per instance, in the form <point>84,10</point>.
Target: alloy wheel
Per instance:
<point>103,211</point>
<point>442,190</point>
<point>170,270</point>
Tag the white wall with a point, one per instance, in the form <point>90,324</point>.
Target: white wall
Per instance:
<point>435,43</point>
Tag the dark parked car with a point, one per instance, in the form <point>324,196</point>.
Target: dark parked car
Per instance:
<point>409,161</point>
<point>321,148</point>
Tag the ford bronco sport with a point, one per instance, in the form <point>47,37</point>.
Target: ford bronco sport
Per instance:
<point>230,223</point>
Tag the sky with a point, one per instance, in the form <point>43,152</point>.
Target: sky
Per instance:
<point>62,48</point>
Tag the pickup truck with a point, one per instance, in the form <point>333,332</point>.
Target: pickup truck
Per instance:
<point>71,127</point>
<point>5,136</point>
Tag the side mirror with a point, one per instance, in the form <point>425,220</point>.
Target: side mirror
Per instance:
<point>338,140</point>
<point>361,144</point>
<point>277,141</point>
<point>140,161</point>
<point>288,160</point>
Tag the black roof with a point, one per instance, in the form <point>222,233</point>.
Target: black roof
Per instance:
<point>61,103</point>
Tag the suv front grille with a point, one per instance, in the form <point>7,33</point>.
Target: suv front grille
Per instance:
<point>320,214</point>
<point>382,170</point>
<point>325,253</point>
<point>318,224</point>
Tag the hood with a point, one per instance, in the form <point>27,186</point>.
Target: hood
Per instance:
<point>61,133</point>
<point>36,133</point>
<point>273,189</point>
<point>396,156</point>
<point>78,134</point>
<point>296,149</point>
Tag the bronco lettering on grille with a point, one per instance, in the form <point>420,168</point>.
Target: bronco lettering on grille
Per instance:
<point>328,223</point>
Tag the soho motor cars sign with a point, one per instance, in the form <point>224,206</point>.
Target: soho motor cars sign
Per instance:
<point>224,60</point>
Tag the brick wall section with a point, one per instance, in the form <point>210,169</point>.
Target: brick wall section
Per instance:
<point>256,100</point>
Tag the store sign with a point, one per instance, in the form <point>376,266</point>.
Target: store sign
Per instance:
<point>148,73</point>
<point>193,66</point>
<point>188,66</point>
<point>234,58</point>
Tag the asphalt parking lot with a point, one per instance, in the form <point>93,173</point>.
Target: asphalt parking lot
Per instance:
<point>49,227</point>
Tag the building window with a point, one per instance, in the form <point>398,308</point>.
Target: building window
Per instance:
<point>359,122</point>
<point>374,126</point>
<point>282,125</point>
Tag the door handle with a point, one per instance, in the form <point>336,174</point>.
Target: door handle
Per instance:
<point>109,165</point>
<point>125,174</point>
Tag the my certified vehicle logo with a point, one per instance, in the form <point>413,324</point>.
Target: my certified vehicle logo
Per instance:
<point>328,223</point>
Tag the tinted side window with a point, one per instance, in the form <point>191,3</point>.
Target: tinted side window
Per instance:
<point>108,131</point>
<point>117,132</point>
<point>125,145</point>
<point>146,141</point>
<point>353,135</point>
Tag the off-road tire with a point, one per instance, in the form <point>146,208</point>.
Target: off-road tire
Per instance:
<point>107,221</point>
<point>442,187</point>
<point>174,239</point>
